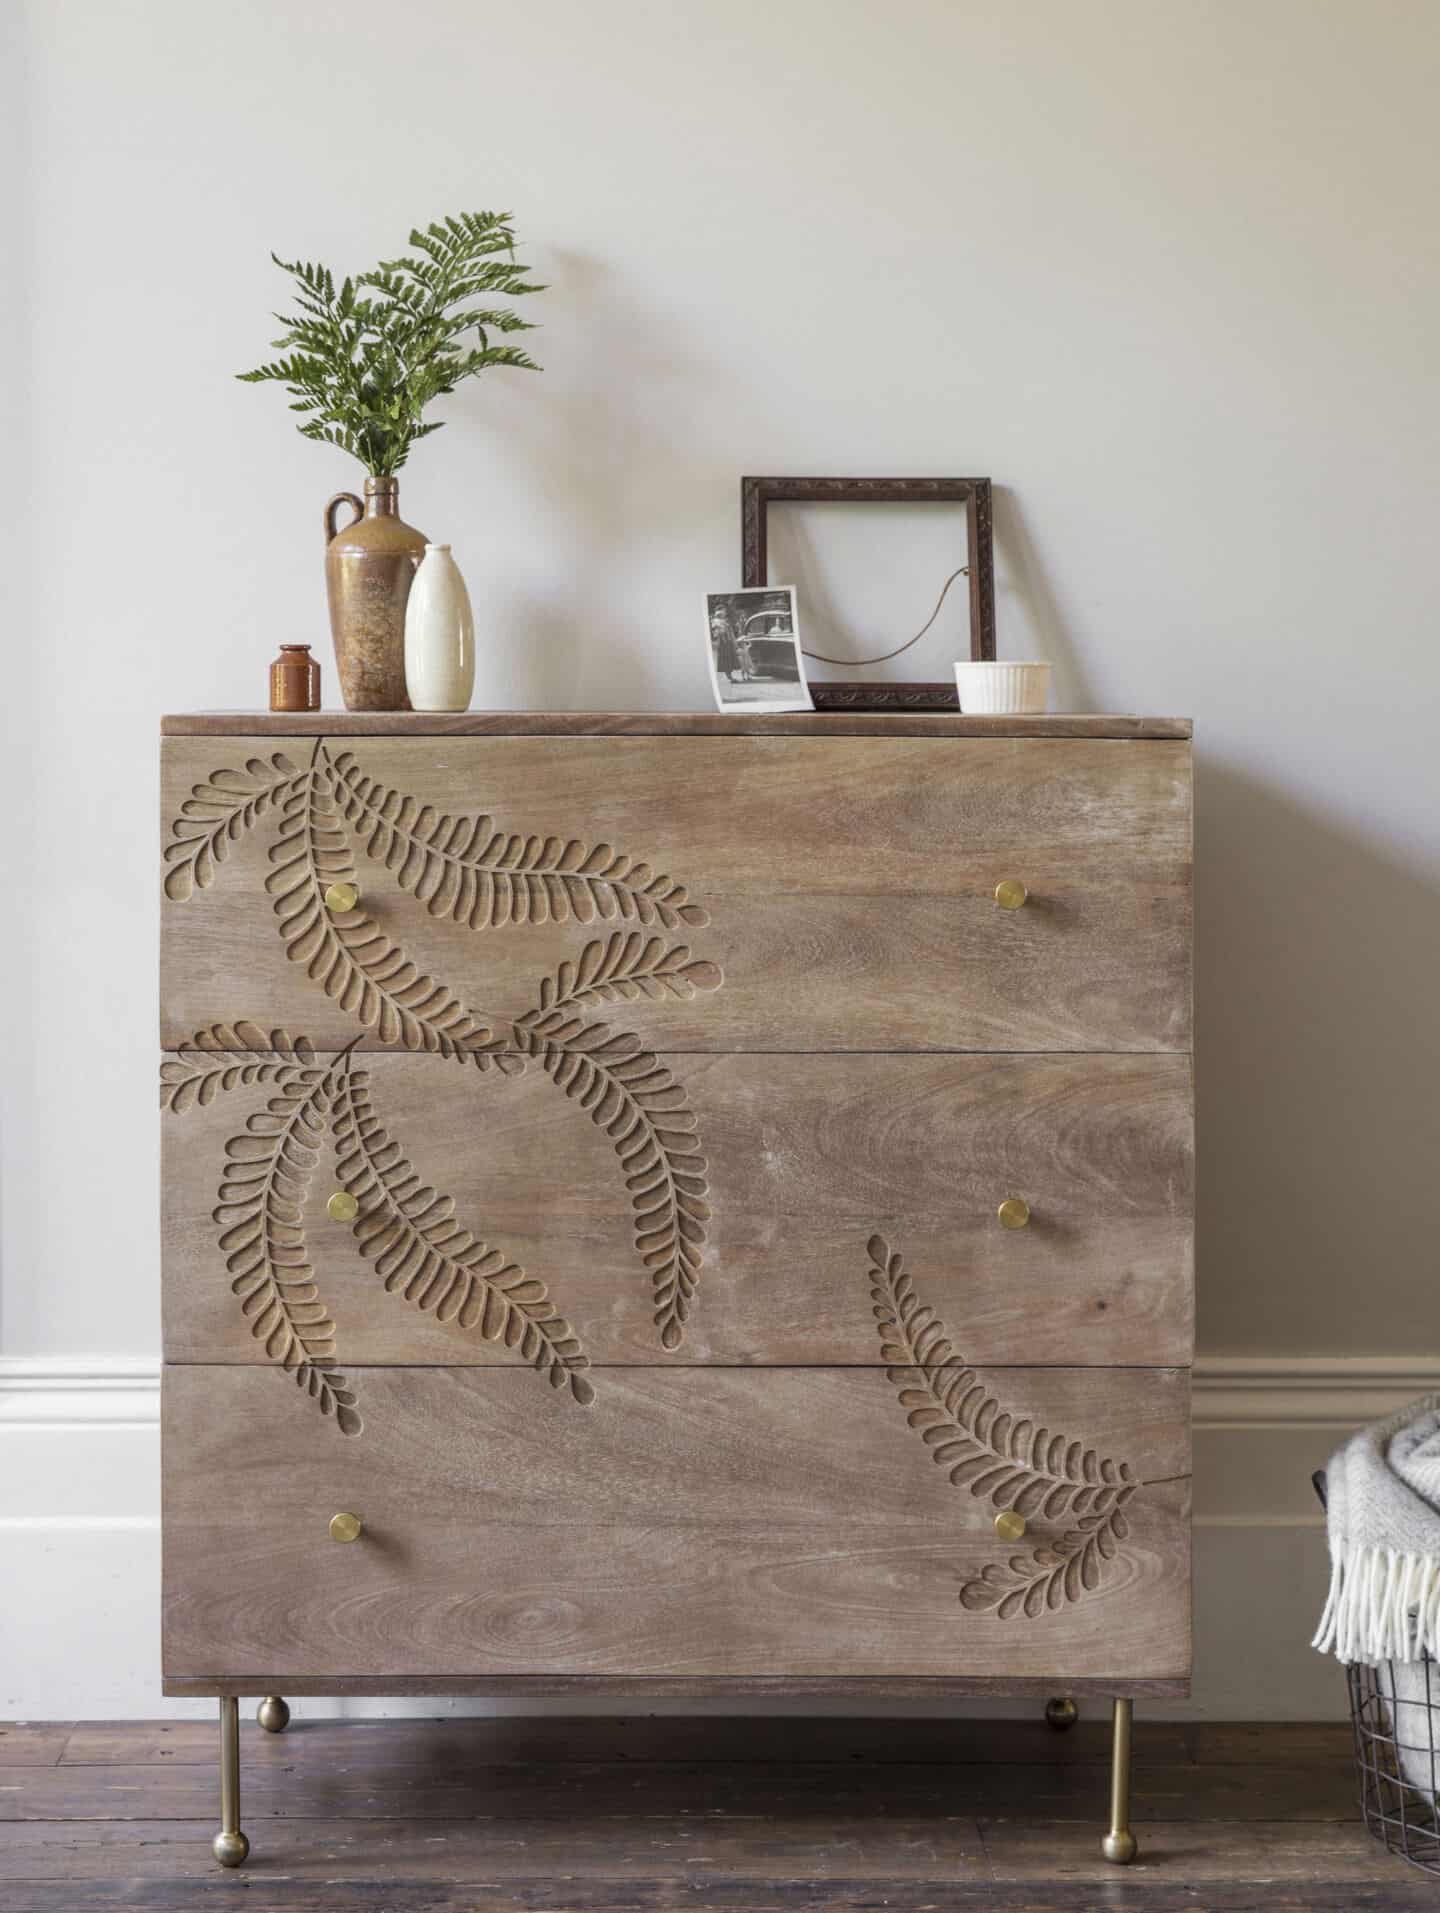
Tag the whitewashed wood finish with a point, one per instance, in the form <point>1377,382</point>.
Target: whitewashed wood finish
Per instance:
<point>704,1521</point>
<point>807,1157</point>
<point>739,1485</point>
<point>847,883</point>
<point>807,725</point>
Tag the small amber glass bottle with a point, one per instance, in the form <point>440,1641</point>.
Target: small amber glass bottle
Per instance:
<point>294,680</point>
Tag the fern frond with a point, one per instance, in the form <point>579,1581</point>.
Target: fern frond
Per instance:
<point>1009,1461</point>
<point>630,1095</point>
<point>362,365</point>
<point>351,958</point>
<point>467,870</point>
<point>229,1056</point>
<point>1051,1576</point>
<point>217,813</point>
<point>424,1255</point>
<point>625,968</point>
<point>261,1216</point>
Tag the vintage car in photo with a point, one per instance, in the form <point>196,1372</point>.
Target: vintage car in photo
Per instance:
<point>767,642</point>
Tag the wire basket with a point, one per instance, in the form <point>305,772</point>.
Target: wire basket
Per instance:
<point>1395,1712</point>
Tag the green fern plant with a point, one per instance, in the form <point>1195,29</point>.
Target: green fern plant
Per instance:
<point>363,363</point>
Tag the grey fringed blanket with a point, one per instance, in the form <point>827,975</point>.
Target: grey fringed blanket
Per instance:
<point>1383,1515</point>
<point>1383,1506</point>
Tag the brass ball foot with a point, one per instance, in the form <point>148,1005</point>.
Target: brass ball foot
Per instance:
<point>1119,1848</point>
<point>273,1714</point>
<point>1061,1714</point>
<point>230,1849</point>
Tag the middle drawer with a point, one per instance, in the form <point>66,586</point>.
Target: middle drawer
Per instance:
<point>768,1177</point>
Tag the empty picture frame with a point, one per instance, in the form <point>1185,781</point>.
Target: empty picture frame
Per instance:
<point>757,494</point>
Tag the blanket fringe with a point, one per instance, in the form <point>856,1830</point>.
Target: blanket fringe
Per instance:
<point>1382,1606</point>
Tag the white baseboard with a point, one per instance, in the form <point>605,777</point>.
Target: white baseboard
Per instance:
<point>80,1535</point>
<point>98,1390</point>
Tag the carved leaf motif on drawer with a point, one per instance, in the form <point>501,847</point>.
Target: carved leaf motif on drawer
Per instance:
<point>468,869</point>
<point>1011,1461</point>
<point>261,1216</point>
<point>217,813</point>
<point>209,1063</point>
<point>426,1257</point>
<point>636,1100</point>
<point>352,959</point>
<point>405,1227</point>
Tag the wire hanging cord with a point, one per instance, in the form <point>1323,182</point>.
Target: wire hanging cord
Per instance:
<point>885,656</point>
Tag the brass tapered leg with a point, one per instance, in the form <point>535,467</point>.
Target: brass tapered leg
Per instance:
<point>1119,1845</point>
<point>1061,1713</point>
<point>272,1714</point>
<point>230,1845</point>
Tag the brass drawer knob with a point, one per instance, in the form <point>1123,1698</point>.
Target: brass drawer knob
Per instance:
<point>1010,893</point>
<point>1014,1212</point>
<point>346,1527</point>
<point>342,1206</point>
<point>342,897</point>
<point>1008,1525</point>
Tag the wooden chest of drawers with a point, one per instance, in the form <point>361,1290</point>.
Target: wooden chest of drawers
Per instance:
<point>711,1198</point>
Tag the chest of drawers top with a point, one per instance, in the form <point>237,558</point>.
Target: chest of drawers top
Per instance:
<point>669,724</point>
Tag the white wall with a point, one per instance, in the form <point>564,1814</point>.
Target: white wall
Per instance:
<point>1166,269</point>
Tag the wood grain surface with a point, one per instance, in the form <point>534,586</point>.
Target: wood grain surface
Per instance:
<point>700,1521</point>
<point>716,1015</point>
<point>631,1795</point>
<point>807,1157</point>
<point>799,1816</point>
<point>843,887</point>
<point>474,1741</point>
<point>937,724</point>
<point>1293,1881</point>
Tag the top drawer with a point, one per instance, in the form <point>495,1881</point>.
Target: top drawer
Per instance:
<point>707,893</point>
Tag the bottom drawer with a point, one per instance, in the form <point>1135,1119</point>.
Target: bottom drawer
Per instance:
<point>703,1521</point>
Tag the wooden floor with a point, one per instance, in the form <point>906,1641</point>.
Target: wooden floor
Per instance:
<point>461,1816</point>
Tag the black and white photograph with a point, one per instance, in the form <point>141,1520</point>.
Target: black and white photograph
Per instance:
<point>754,650</point>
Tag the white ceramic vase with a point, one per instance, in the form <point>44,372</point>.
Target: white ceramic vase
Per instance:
<point>439,635</point>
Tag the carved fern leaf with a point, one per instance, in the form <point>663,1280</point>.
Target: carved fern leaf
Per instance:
<point>1051,1576</point>
<point>423,1254</point>
<point>261,1214</point>
<point>352,959</point>
<point>219,812</point>
<point>233,1056</point>
<point>634,1099</point>
<point>623,968</point>
<point>1010,1461</point>
<point>466,869</point>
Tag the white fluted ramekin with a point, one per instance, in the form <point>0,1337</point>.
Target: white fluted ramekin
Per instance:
<point>1015,688</point>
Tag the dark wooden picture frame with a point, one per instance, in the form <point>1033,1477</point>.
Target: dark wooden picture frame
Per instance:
<point>757,494</point>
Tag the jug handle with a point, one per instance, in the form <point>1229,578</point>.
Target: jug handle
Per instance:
<point>341,498</point>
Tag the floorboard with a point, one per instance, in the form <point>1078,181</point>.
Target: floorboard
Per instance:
<point>712,1816</point>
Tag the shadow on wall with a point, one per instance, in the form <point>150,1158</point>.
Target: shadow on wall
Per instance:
<point>1018,557</point>
<point>595,453</point>
<point>1318,1080</point>
<point>1317,1053</point>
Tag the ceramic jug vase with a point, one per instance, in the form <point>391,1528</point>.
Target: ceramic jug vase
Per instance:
<point>369,564</point>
